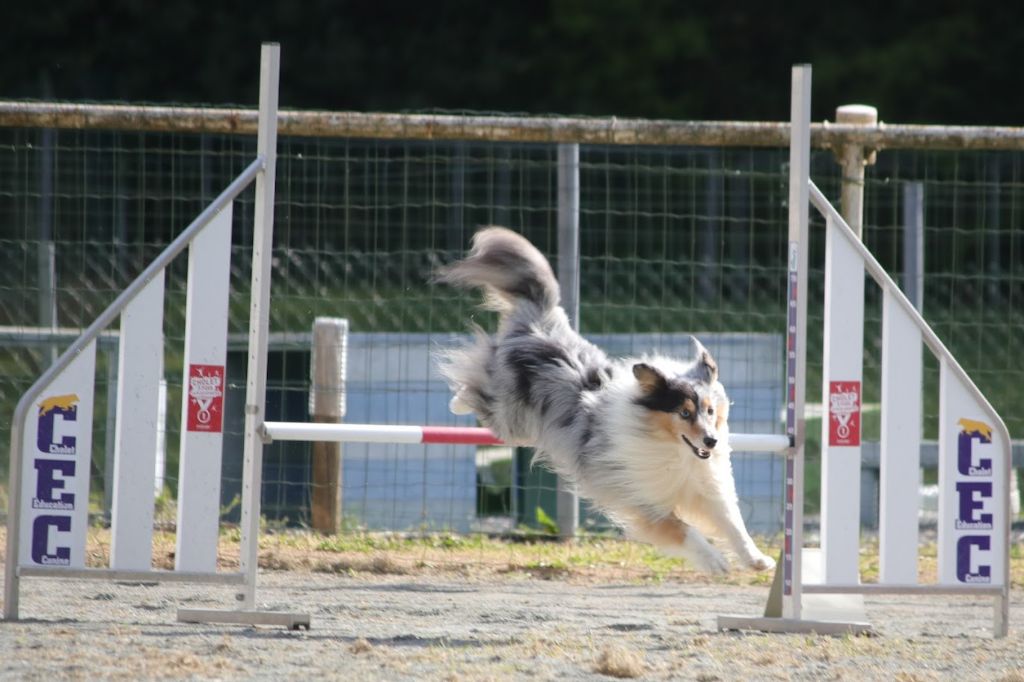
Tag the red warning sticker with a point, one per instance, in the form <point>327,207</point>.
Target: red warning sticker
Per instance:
<point>844,413</point>
<point>205,398</point>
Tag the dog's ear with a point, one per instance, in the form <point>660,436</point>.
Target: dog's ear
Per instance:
<point>649,378</point>
<point>705,366</point>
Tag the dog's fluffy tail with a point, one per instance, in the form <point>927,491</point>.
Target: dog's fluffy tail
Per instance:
<point>508,268</point>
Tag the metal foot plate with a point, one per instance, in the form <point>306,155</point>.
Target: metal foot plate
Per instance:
<point>292,621</point>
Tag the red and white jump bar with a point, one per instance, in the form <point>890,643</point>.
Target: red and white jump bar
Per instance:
<point>454,435</point>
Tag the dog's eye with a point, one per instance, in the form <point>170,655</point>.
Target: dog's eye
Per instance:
<point>685,414</point>
<point>711,411</point>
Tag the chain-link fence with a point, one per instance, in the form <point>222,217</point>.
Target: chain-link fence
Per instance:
<point>675,239</point>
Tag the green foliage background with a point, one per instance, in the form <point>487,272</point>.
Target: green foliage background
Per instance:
<point>919,63</point>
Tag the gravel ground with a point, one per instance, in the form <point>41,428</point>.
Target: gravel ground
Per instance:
<point>399,627</point>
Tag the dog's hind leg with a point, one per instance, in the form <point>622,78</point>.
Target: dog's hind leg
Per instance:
<point>676,538</point>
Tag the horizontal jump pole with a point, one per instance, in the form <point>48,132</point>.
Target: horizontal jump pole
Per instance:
<point>453,435</point>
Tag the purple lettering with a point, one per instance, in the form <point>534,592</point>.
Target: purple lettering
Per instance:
<point>964,548</point>
<point>46,483</point>
<point>41,540</point>
<point>965,455</point>
<point>969,504</point>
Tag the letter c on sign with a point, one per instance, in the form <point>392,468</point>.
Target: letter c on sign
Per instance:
<point>964,548</point>
<point>965,454</point>
<point>41,539</point>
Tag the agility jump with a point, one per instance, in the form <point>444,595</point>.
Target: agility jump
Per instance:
<point>51,431</point>
<point>974,445</point>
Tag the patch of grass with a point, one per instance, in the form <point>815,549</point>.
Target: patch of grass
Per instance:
<point>381,564</point>
<point>165,508</point>
<point>620,661</point>
<point>376,542</point>
<point>542,569</point>
<point>361,646</point>
<point>588,559</point>
<point>546,522</point>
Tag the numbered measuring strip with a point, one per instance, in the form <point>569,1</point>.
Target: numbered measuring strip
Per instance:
<point>791,324</point>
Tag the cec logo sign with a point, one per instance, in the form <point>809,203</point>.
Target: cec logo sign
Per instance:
<point>55,469</point>
<point>56,452</point>
<point>974,502</point>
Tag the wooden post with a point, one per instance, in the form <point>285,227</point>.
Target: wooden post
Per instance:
<point>853,158</point>
<point>327,406</point>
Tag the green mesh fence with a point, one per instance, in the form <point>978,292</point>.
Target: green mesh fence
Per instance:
<point>673,241</point>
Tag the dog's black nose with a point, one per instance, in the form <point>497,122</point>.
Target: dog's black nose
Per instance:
<point>710,442</point>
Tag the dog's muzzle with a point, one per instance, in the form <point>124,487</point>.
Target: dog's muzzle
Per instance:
<point>700,452</point>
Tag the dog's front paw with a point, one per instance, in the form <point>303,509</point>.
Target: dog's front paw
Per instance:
<point>761,562</point>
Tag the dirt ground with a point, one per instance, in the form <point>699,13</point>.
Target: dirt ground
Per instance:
<point>450,625</point>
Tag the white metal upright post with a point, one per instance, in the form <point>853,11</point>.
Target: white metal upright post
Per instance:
<point>568,502</point>
<point>256,378</point>
<point>842,378</point>
<point>202,396</point>
<point>785,609</point>
<point>799,176</point>
<point>137,423</point>
<point>259,320</point>
<point>899,499</point>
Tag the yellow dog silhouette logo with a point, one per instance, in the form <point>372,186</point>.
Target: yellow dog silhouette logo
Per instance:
<point>58,402</point>
<point>974,426</point>
<point>47,440</point>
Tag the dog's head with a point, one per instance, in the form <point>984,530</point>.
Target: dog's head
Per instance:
<point>688,407</point>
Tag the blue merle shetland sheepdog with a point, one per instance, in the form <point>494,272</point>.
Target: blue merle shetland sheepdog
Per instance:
<point>645,439</point>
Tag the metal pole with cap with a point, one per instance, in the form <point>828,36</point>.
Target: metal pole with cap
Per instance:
<point>853,158</point>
